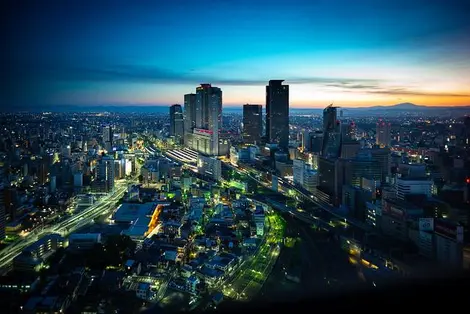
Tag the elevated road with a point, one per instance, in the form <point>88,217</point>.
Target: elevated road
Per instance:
<point>66,226</point>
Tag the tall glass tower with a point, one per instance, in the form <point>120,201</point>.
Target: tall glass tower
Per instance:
<point>277,113</point>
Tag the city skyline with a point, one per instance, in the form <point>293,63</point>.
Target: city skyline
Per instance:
<point>372,53</point>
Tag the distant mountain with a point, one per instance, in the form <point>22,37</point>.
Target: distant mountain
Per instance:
<point>402,106</point>
<point>407,106</point>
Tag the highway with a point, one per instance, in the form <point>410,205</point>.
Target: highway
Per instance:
<point>66,226</point>
<point>322,214</point>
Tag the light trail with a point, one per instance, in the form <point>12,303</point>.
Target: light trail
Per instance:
<point>67,226</point>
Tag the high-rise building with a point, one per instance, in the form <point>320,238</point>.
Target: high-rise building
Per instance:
<point>108,137</point>
<point>176,123</point>
<point>252,123</point>
<point>350,131</point>
<point>189,112</point>
<point>298,169</point>
<point>331,147</point>
<point>382,137</point>
<point>277,113</point>
<point>107,134</point>
<point>105,172</point>
<point>207,115</point>
<point>208,107</point>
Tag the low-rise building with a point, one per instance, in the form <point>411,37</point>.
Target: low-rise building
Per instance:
<point>83,241</point>
<point>192,283</point>
<point>145,291</point>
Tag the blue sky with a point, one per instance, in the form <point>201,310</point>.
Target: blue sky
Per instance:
<point>355,53</point>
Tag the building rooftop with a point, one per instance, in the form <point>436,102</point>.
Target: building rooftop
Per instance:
<point>209,272</point>
<point>129,212</point>
<point>44,240</point>
<point>171,255</point>
<point>144,286</point>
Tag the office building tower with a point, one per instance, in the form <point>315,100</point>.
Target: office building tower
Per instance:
<point>105,173</point>
<point>108,138</point>
<point>189,112</point>
<point>208,108</point>
<point>316,142</point>
<point>176,123</point>
<point>277,113</point>
<point>107,134</point>
<point>382,136</point>
<point>252,123</point>
<point>205,135</point>
<point>350,131</point>
<point>331,147</point>
<point>305,141</point>
<point>298,169</point>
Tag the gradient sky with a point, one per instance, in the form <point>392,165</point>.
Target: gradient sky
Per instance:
<point>350,52</point>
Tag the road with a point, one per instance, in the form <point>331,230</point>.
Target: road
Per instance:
<point>67,226</point>
<point>252,274</point>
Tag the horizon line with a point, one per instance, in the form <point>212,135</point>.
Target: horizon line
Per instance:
<point>235,106</point>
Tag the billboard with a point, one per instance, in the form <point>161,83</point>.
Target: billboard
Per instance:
<point>202,132</point>
<point>426,224</point>
<point>449,230</point>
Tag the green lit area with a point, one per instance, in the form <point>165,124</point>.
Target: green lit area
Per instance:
<point>237,184</point>
<point>248,280</point>
<point>10,238</point>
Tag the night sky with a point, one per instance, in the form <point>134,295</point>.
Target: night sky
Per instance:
<point>350,52</point>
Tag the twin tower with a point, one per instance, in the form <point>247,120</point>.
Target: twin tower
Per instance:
<point>200,125</point>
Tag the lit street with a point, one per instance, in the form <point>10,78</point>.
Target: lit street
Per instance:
<point>67,226</point>
<point>252,275</point>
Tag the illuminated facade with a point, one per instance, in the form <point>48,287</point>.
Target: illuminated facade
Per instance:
<point>382,137</point>
<point>252,123</point>
<point>176,123</point>
<point>203,120</point>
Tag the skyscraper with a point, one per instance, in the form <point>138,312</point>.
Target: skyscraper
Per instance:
<point>108,137</point>
<point>382,137</point>
<point>208,108</point>
<point>331,147</point>
<point>189,112</point>
<point>277,113</point>
<point>105,173</point>
<point>252,123</point>
<point>176,123</point>
<point>204,120</point>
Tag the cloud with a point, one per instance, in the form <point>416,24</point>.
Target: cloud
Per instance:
<point>378,89</point>
<point>348,85</point>
<point>67,71</point>
<point>400,91</point>
<point>105,72</point>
